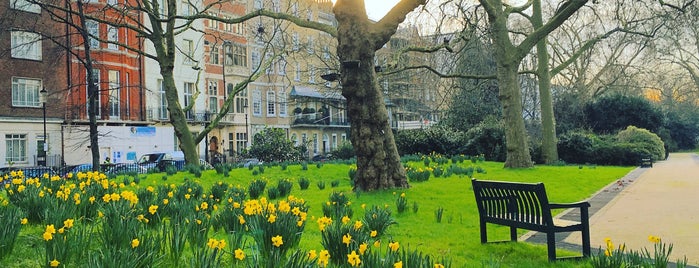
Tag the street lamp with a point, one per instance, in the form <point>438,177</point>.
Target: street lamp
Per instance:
<point>247,133</point>
<point>42,99</point>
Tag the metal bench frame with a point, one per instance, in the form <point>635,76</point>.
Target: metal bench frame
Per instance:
<point>526,206</point>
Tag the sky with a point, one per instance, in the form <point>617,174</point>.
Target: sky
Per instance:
<point>376,9</point>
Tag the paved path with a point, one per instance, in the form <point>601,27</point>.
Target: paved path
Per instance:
<point>662,201</point>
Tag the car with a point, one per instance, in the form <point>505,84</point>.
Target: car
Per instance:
<point>126,168</point>
<point>247,162</point>
<point>319,158</point>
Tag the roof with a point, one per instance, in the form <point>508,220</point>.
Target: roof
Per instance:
<point>309,92</point>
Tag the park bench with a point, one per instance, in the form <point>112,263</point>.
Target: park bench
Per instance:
<point>526,206</point>
<point>647,162</point>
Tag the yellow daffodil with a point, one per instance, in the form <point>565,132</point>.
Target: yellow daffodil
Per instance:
<point>398,264</point>
<point>353,259</point>
<point>24,221</point>
<point>272,218</point>
<point>362,248</point>
<point>68,223</point>
<point>241,219</point>
<point>135,243</point>
<point>152,209</point>
<point>438,265</point>
<point>347,239</point>
<point>357,225</point>
<point>373,233</point>
<point>377,243</point>
<point>239,254</point>
<point>312,254</point>
<point>323,258</point>
<point>654,239</point>
<point>345,220</point>
<point>277,241</point>
<point>393,246</point>
<point>54,263</point>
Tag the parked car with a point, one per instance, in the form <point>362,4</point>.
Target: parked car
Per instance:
<point>251,162</point>
<point>125,168</point>
<point>319,158</point>
<point>161,161</point>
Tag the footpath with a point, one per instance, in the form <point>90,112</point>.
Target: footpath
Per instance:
<point>662,201</point>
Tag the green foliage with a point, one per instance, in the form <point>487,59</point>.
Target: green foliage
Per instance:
<point>644,139</point>
<point>576,147</point>
<point>321,185</point>
<point>438,139</point>
<point>194,170</point>
<point>378,219</point>
<point>10,225</point>
<point>284,186</point>
<point>271,145</point>
<point>338,206</point>
<point>170,170</point>
<point>401,203</point>
<point>304,183</point>
<point>487,139</point>
<point>343,151</point>
<point>256,188</point>
<point>334,183</point>
<point>617,257</point>
<point>610,114</point>
<point>682,127</point>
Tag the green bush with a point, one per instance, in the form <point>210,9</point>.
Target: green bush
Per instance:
<point>284,187</point>
<point>575,147</point>
<point>440,139</point>
<point>256,188</point>
<point>304,183</point>
<point>343,151</point>
<point>487,139</point>
<point>643,139</point>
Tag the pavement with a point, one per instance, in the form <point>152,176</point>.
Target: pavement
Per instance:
<point>662,201</point>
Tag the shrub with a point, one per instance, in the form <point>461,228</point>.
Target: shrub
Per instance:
<point>575,147</point>
<point>644,140</point>
<point>170,170</point>
<point>612,113</point>
<point>487,139</point>
<point>440,139</point>
<point>343,151</point>
<point>284,187</point>
<point>256,188</point>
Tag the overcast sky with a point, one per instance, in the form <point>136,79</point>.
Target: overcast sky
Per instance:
<point>376,9</point>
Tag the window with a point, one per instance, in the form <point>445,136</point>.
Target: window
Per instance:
<point>15,148</point>
<point>270,69</point>
<point>295,41</point>
<point>241,101</point>
<point>213,96</point>
<point>111,2</point>
<point>95,79</point>
<point>282,102</point>
<point>258,4</point>
<point>312,75</point>
<point>186,8</point>
<point>309,14</point>
<point>344,137</point>
<point>281,65</point>
<point>26,45</point>
<point>297,72</point>
<point>25,92</point>
<point>127,81</point>
<point>241,141</point>
<point>112,37</point>
<point>271,105</point>
<point>255,58</point>
<point>310,44</point>
<point>188,99</point>
<point>240,55</point>
<point>213,104</point>
<point>328,83</point>
<point>326,52</point>
<point>315,143</point>
<point>188,50</point>
<point>295,9</point>
<point>25,5</point>
<point>213,57</point>
<point>114,88</point>
<point>212,23</point>
<point>257,102</point>
<point>93,30</point>
<point>334,142</point>
<point>162,109</point>
<point>276,6</point>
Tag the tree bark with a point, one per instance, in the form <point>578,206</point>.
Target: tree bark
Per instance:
<point>378,161</point>
<point>549,146</point>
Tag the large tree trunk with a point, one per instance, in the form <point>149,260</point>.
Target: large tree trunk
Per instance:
<point>92,92</point>
<point>177,118</point>
<point>549,149</point>
<point>378,162</point>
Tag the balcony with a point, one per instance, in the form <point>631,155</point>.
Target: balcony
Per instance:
<point>316,120</point>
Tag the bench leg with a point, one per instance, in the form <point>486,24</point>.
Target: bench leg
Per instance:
<point>484,233</point>
<point>584,218</point>
<point>513,234</point>
<point>551,243</point>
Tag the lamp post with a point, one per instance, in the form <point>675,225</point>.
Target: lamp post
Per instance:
<point>42,99</point>
<point>247,133</point>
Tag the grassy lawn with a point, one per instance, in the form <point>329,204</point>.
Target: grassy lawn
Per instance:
<point>456,236</point>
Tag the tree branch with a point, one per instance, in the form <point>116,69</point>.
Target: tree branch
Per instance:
<point>387,26</point>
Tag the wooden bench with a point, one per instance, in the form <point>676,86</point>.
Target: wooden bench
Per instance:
<point>647,162</point>
<point>526,206</point>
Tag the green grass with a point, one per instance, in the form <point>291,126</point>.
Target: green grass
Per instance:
<point>457,236</point>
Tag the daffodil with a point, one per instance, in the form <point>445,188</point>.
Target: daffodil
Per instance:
<point>362,248</point>
<point>135,243</point>
<point>398,264</point>
<point>54,263</point>
<point>353,259</point>
<point>239,254</point>
<point>373,233</point>
<point>277,241</point>
<point>152,209</point>
<point>393,246</point>
<point>323,258</point>
<point>347,239</point>
<point>312,254</point>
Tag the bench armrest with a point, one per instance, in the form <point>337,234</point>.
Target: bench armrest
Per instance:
<point>582,204</point>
